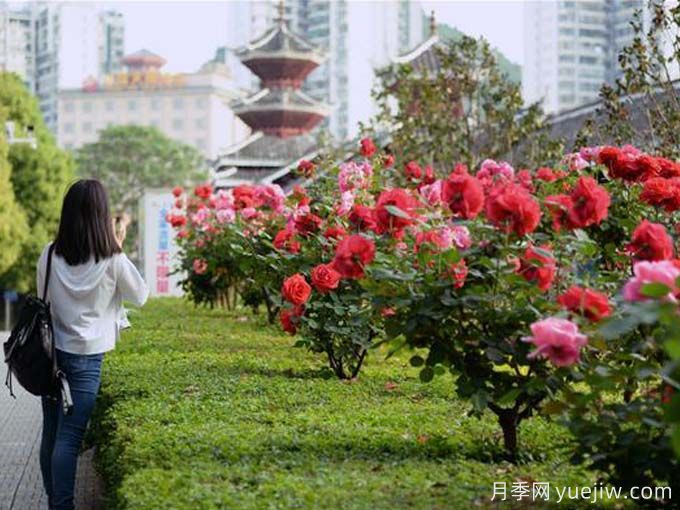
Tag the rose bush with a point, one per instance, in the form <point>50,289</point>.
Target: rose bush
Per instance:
<point>501,277</point>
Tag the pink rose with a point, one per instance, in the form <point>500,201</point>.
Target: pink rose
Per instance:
<point>575,161</point>
<point>200,266</point>
<point>432,193</point>
<point>224,200</point>
<point>460,236</point>
<point>270,195</point>
<point>590,153</point>
<point>346,203</point>
<point>200,218</point>
<point>249,213</point>
<point>663,271</point>
<point>354,176</point>
<point>225,215</point>
<point>557,340</point>
<point>491,168</point>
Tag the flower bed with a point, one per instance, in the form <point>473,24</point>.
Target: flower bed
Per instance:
<point>503,277</point>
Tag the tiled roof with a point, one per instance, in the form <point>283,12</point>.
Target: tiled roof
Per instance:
<point>280,99</point>
<point>279,39</point>
<point>424,57</point>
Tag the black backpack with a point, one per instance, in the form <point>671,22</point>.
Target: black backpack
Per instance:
<point>30,353</point>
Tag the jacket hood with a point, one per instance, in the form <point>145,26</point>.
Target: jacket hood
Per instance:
<point>80,279</point>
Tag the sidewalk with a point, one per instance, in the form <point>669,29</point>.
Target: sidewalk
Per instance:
<point>20,480</point>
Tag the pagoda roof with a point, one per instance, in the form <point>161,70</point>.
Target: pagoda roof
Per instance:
<point>424,57</point>
<point>280,99</point>
<point>280,42</point>
<point>262,158</point>
<point>143,57</point>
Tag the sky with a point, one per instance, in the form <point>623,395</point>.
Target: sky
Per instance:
<point>187,33</point>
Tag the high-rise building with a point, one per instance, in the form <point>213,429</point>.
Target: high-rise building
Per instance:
<point>571,49</point>
<point>358,38</point>
<point>54,45</point>
<point>111,39</point>
<point>17,43</point>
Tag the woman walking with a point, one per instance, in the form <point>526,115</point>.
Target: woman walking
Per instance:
<point>89,280</point>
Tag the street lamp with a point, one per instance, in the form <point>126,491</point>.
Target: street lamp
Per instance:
<point>11,139</point>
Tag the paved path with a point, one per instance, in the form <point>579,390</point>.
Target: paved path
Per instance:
<point>20,480</point>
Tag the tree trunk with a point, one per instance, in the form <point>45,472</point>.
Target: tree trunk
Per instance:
<point>509,422</point>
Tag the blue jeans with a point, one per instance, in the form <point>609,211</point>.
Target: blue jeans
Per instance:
<point>62,436</point>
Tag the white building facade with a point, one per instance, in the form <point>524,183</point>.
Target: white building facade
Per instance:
<point>571,48</point>
<point>191,108</point>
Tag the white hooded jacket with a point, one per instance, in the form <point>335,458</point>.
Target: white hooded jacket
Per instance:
<point>87,300</point>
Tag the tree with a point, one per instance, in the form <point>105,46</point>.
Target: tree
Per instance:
<point>465,111</point>
<point>13,227</point>
<point>643,106</point>
<point>39,178</point>
<point>129,159</point>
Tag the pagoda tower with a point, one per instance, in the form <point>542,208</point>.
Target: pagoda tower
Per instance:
<point>282,60</point>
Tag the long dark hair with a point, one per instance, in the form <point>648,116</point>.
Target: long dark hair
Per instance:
<point>85,227</point>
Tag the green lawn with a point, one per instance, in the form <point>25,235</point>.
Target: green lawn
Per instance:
<point>207,409</point>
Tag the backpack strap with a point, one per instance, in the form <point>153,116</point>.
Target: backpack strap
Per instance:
<point>47,271</point>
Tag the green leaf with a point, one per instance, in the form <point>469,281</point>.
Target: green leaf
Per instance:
<point>395,211</point>
<point>654,290</point>
<point>509,397</point>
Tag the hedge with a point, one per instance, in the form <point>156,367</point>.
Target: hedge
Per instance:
<point>207,409</point>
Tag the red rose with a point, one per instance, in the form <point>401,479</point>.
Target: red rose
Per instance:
<point>463,194</point>
<point>667,168</point>
<point>367,147</point>
<point>538,267</point>
<point>177,220</point>
<point>590,203</point>
<point>651,242</point>
<point>306,168</point>
<point>593,305</point>
<point>429,177</point>
<point>511,208</point>
<point>285,240</point>
<point>244,197</point>
<point>524,179</point>
<point>307,224</point>
<point>389,161</point>
<point>662,192</point>
<point>362,217</point>
<point>458,273</point>
<point>413,171</point>
<point>559,207</point>
<point>628,164</point>
<point>325,278</point>
<point>203,191</point>
<point>290,318</point>
<point>296,290</point>
<point>546,174</point>
<point>401,199</point>
<point>336,232</point>
<point>177,191</point>
<point>352,255</point>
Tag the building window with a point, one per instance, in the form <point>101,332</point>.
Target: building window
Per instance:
<point>201,103</point>
<point>68,127</point>
<point>110,105</point>
<point>200,143</point>
<point>132,105</point>
<point>178,103</point>
<point>200,123</point>
<point>87,106</point>
<point>177,124</point>
<point>69,107</point>
<point>87,127</point>
<point>156,104</point>
<point>155,122</point>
